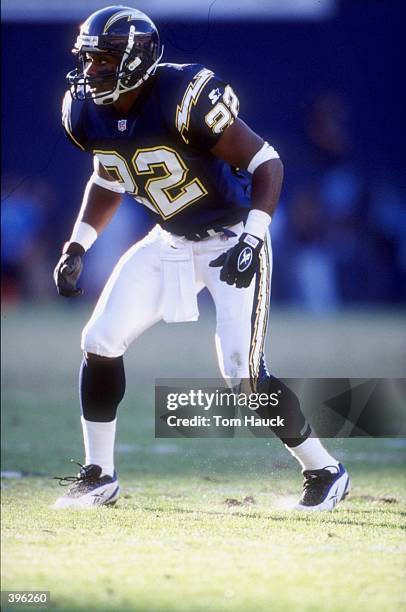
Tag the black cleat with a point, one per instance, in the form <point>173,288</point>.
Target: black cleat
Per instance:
<point>88,489</point>
<point>323,490</point>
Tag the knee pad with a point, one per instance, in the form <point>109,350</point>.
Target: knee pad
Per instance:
<point>102,387</point>
<point>98,340</point>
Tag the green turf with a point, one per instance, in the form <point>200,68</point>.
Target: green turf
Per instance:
<point>202,524</point>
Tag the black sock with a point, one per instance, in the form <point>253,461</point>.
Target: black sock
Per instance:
<point>296,428</point>
<point>102,387</point>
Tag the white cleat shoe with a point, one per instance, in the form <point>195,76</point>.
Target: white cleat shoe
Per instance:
<point>88,489</point>
<point>323,490</point>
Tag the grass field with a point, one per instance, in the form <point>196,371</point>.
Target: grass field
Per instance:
<point>202,524</point>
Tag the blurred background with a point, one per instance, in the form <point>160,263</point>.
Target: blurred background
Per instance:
<point>319,79</point>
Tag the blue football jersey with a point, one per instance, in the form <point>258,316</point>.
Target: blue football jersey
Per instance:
<point>160,150</point>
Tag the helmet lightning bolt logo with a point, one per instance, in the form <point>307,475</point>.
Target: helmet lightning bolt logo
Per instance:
<point>131,15</point>
<point>190,98</point>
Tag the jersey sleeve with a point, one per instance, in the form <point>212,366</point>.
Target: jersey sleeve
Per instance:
<point>71,121</point>
<point>208,106</point>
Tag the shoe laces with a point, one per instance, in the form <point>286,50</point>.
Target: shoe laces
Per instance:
<point>316,479</point>
<point>87,473</point>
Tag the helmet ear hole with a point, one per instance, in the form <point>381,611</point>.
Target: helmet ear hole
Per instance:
<point>136,62</point>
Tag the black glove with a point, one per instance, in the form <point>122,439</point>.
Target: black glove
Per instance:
<point>239,263</point>
<point>68,270</point>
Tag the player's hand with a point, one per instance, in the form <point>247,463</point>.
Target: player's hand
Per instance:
<point>68,270</point>
<point>240,263</point>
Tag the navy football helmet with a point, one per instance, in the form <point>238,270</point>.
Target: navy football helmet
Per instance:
<point>121,31</point>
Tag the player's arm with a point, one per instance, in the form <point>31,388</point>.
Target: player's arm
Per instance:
<point>242,148</point>
<point>101,199</point>
<point>207,118</point>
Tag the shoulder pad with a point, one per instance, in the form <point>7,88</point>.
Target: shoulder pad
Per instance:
<point>207,107</point>
<point>190,98</point>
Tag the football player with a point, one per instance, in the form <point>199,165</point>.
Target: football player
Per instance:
<point>169,135</point>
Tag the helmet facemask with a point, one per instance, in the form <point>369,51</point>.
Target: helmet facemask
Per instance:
<point>138,62</point>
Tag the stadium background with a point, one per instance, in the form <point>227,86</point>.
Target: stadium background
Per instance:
<point>324,87</point>
<point>325,91</point>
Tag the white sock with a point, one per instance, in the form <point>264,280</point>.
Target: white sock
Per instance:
<point>99,444</point>
<point>312,455</point>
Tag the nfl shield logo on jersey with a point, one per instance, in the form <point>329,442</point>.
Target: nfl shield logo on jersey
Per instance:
<point>122,125</point>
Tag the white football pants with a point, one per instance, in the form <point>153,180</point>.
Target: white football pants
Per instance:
<point>160,277</point>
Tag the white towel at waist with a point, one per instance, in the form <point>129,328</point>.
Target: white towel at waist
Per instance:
<point>179,285</point>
